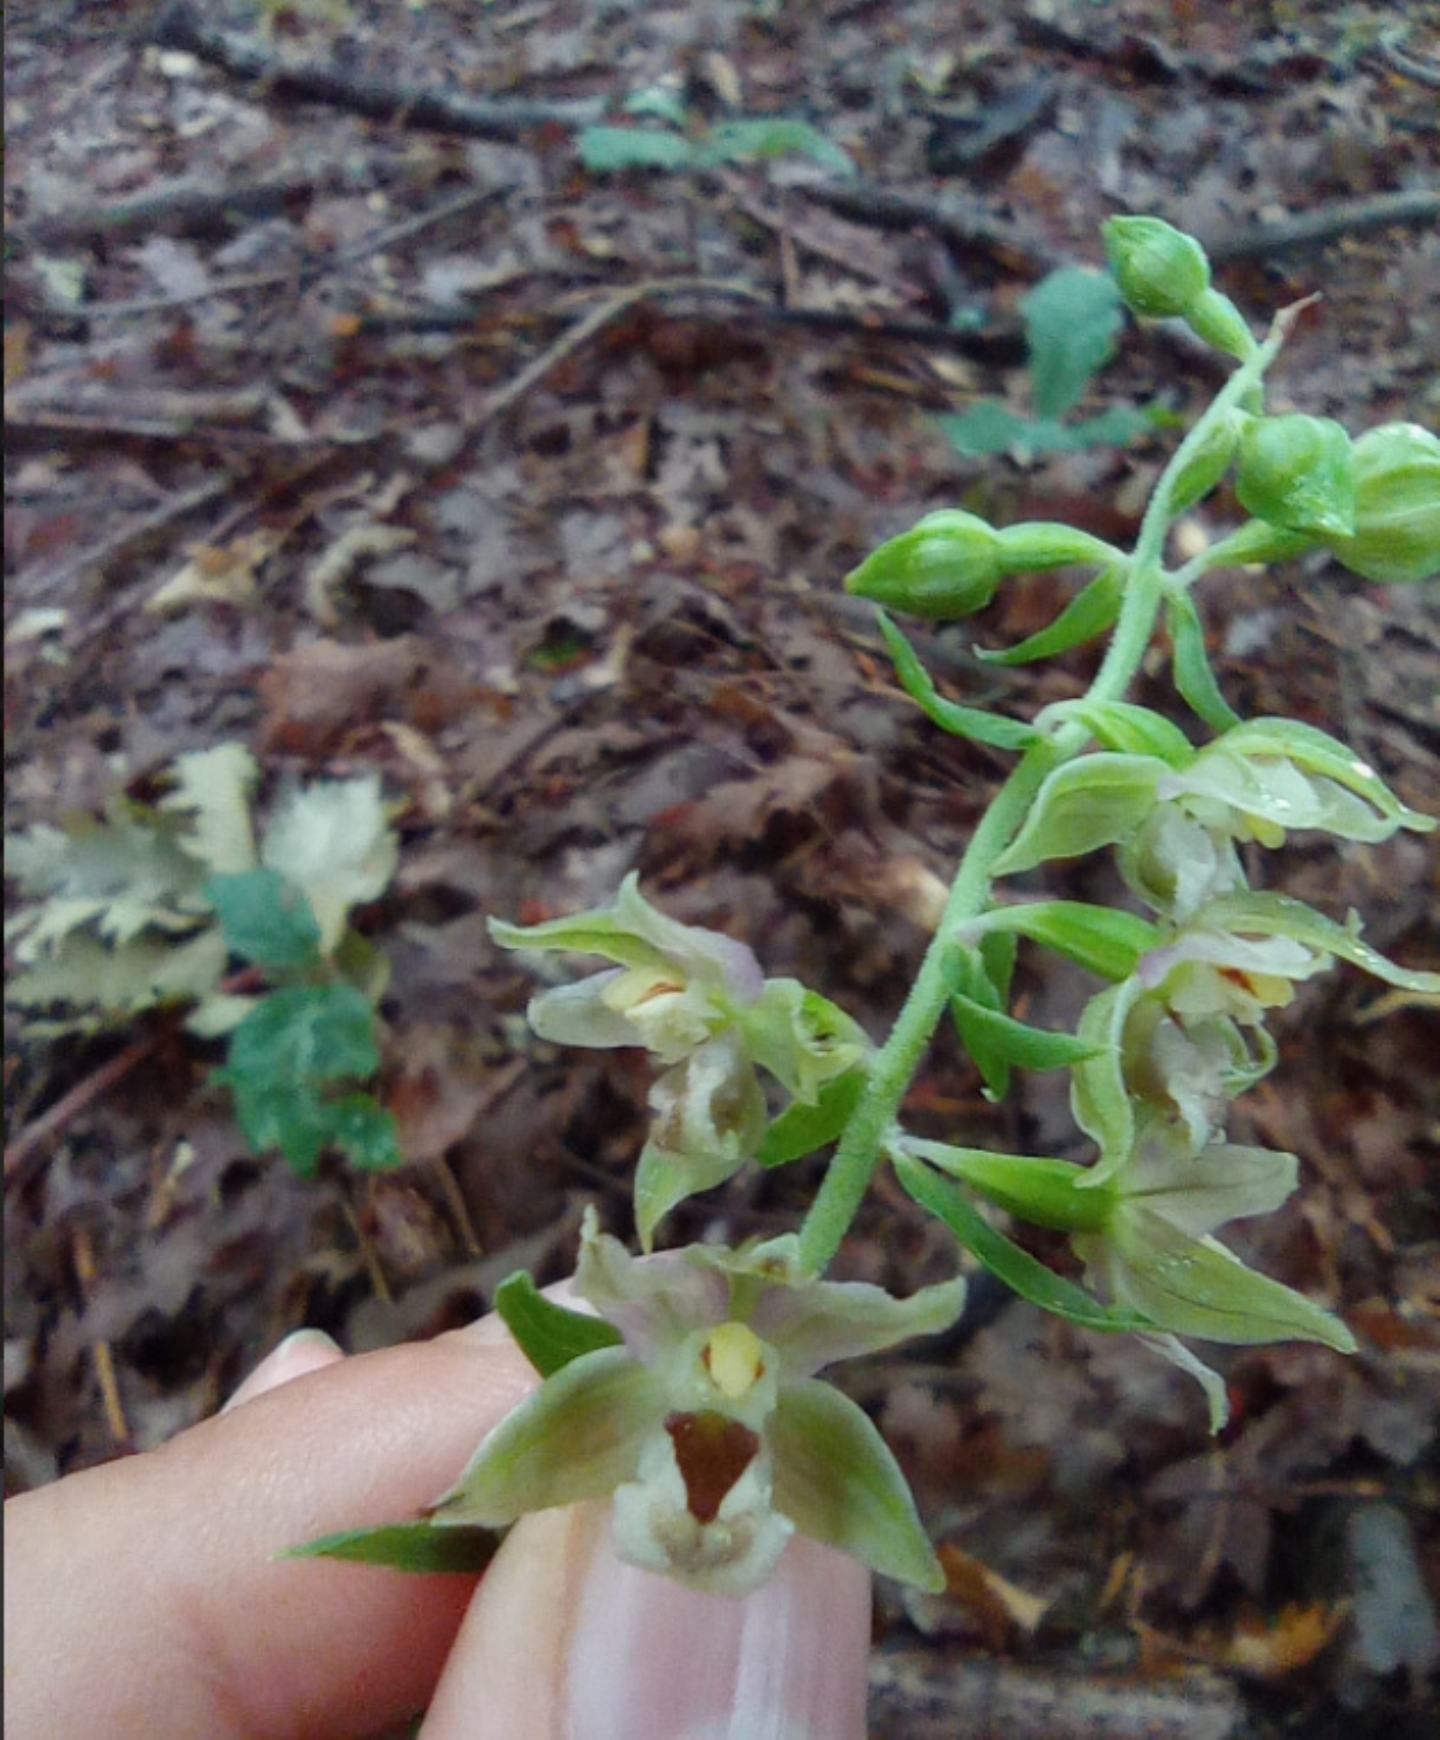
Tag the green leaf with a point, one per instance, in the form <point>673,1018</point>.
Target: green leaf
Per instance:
<point>1092,801</point>
<point>971,722</point>
<point>801,1129</point>
<point>1021,1272</point>
<point>365,1133</point>
<point>549,1335</point>
<point>1101,939</point>
<point>294,1041</point>
<point>606,150</point>
<point>744,140</point>
<point>1130,730</point>
<point>1279,915</point>
<point>987,430</point>
<point>422,1547</point>
<point>1072,319</point>
<point>1116,427</point>
<point>1193,676</point>
<point>1011,1041</point>
<point>264,918</point>
<point>1090,612</point>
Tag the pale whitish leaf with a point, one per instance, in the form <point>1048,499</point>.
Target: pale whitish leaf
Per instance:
<point>212,788</point>
<point>333,841</point>
<point>118,876</point>
<point>136,975</point>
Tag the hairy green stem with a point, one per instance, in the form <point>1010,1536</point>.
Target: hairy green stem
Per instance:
<point>862,1144</point>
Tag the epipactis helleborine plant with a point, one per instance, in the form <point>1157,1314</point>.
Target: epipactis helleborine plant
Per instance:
<point>691,1399</point>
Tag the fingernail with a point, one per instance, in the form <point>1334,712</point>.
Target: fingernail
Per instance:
<point>652,1660</point>
<point>302,1351</point>
<point>564,1639</point>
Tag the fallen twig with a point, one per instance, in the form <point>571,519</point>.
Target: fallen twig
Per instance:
<point>304,272</point>
<point>426,111</point>
<point>125,538</point>
<point>1311,229</point>
<point>34,1140</point>
<point>961,228</point>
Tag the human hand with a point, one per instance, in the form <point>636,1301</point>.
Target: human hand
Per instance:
<point>146,1598</point>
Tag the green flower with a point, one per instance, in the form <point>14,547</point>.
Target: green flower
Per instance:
<point>1255,782</point>
<point>707,1428</point>
<point>1156,1254</point>
<point>1397,506</point>
<point>699,1002</point>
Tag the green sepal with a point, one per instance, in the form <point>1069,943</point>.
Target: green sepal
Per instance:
<point>1279,915</point>
<point>666,1177</point>
<point>1123,727</point>
<point>264,918</point>
<point>839,1483</point>
<point>801,1129</point>
<point>1036,1188</point>
<point>1091,612</point>
<point>1102,939</point>
<point>577,1437</point>
<point>1197,1287</point>
<point>1397,511</point>
<point>1193,676</point>
<point>418,1547</point>
<point>549,1335</point>
<point>1022,1273</point>
<point>587,933</point>
<point>1092,801</point>
<point>971,722</point>
<point>1317,752</point>
<point>1099,1097</point>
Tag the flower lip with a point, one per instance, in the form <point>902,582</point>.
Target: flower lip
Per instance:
<point>712,1451</point>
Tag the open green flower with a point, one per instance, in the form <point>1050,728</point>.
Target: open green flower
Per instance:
<point>1255,782</point>
<point>699,1002</point>
<point>707,1426</point>
<point>1156,1254</point>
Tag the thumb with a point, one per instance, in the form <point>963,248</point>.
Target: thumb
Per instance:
<point>564,1641</point>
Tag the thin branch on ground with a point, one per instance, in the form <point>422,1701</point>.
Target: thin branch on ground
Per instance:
<point>33,1143</point>
<point>969,230</point>
<point>127,537</point>
<point>407,106</point>
<point>1312,229</point>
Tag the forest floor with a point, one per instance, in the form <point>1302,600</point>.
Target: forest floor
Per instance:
<point>399,440</point>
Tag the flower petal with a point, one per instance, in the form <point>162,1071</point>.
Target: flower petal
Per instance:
<point>708,954</point>
<point>656,1303</point>
<point>837,1481</point>
<point>814,1325</point>
<point>1209,1380</point>
<point>1100,1099</point>
<point>578,1014</point>
<point>1197,1193</point>
<point>577,1437</point>
<point>730,1552</point>
<point>666,1177</point>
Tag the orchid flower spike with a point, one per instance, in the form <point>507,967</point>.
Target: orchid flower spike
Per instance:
<point>706,1425</point>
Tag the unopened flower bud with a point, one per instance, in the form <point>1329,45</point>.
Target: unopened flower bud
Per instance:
<point>1160,270</point>
<point>1298,473</point>
<point>1041,544</point>
<point>945,567</point>
<point>1397,506</point>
